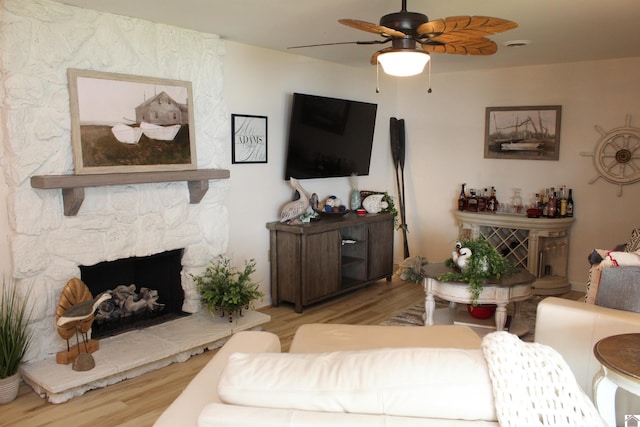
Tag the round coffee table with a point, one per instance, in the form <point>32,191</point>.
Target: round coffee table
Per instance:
<point>513,288</point>
<point>619,356</point>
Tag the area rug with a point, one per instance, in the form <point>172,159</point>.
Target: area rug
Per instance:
<point>413,316</point>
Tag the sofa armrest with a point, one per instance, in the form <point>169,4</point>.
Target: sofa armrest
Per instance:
<point>574,327</point>
<point>202,390</point>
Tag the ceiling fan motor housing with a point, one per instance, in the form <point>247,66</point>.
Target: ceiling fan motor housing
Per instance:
<point>407,22</point>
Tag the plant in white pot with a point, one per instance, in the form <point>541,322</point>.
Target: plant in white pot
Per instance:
<point>224,288</point>
<point>14,339</point>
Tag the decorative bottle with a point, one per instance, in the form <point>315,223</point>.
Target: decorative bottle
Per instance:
<point>355,200</point>
<point>517,201</point>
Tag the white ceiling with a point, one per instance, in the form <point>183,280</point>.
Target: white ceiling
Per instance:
<point>559,30</point>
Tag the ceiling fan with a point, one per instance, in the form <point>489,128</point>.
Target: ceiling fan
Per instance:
<point>463,35</point>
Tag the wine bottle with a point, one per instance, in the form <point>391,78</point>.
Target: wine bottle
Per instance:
<point>570,207</point>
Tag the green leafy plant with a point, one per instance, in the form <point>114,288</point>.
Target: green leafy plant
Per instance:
<point>14,334</point>
<point>222,287</point>
<point>391,207</point>
<point>485,262</point>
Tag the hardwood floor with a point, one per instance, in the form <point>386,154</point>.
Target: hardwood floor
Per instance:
<point>140,401</point>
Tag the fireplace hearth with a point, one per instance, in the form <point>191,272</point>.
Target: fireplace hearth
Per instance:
<point>145,291</point>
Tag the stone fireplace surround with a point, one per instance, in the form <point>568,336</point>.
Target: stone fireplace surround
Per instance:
<point>41,39</point>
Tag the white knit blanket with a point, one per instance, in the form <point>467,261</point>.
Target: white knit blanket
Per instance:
<point>534,386</point>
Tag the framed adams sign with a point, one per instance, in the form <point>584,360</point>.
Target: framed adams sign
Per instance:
<point>249,139</point>
<point>124,123</point>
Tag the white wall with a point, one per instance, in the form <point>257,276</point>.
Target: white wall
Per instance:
<point>261,82</point>
<point>446,140</point>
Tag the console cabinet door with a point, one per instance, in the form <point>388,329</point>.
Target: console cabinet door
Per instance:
<point>380,250</point>
<point>321,257</point>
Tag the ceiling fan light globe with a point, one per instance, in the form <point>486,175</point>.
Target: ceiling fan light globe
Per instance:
<point>403,63</point>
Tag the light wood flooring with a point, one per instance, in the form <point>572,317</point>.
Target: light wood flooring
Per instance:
<point>140,401</point>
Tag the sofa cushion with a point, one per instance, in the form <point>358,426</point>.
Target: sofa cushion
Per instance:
<point>620,289</point>
<point>419,382</point>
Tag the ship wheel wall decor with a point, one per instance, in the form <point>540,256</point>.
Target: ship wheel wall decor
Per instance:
<point>617,155</point>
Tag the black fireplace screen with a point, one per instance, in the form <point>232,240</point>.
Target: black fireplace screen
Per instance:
<point>146,291</point>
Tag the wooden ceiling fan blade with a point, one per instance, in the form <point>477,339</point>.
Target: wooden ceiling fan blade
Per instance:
<point>470,46</point>
<point>371,28</point>
<point>472,25</point>
<point>341,43</point>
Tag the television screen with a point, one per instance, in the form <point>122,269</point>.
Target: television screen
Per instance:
<point>329,137</point>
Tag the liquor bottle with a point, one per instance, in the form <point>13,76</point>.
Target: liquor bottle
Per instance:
<point>482,201</point>
<point>492,204</point>
<point>545,202</point>
<point>551,205</point>
<point>472,203</point>
<point>570,203</point>
<point>563,202</point>
<point>462,199</point>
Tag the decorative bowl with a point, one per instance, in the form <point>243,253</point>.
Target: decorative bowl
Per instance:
<point>332,214</point>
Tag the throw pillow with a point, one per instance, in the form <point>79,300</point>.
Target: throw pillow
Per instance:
<point>633,244</point>
<point>610,259</point>
<point>620,289</point>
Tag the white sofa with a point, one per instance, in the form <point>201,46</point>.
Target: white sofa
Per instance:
<point>431,376</point>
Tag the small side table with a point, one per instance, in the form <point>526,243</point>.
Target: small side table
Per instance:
<point>619,356</point>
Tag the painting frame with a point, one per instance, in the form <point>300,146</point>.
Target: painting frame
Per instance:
<point>124,123</point>
<point>523,133</point>
<point>249,139</point>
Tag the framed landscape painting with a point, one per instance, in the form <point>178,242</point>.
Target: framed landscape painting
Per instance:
<point>125,123</point>
<point>530,133</point>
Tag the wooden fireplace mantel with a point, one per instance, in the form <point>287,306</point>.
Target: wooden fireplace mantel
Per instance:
<point>73,185</point>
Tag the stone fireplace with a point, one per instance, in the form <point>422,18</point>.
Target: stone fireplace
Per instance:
<point>41,40</point>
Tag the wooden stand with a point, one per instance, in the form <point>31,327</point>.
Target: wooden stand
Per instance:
<point>67,357</point>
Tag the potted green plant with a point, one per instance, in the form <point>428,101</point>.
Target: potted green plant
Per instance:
<point>223,288</point>
<point>485,262</point>
<point>412,269</point>
<point>14,340</point>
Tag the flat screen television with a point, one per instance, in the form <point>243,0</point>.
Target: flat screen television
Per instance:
<point>329,137</point>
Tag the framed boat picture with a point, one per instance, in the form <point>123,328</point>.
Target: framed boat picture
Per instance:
<point>126,123</point>
<point>526,133</point>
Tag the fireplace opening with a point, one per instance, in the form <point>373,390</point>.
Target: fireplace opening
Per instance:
<point>146,291</point>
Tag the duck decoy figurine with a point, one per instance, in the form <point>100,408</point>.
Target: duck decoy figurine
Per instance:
<point>292,210</point>
<point>461,256</point>
<point>82,310</point>
<point>76,314</point>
